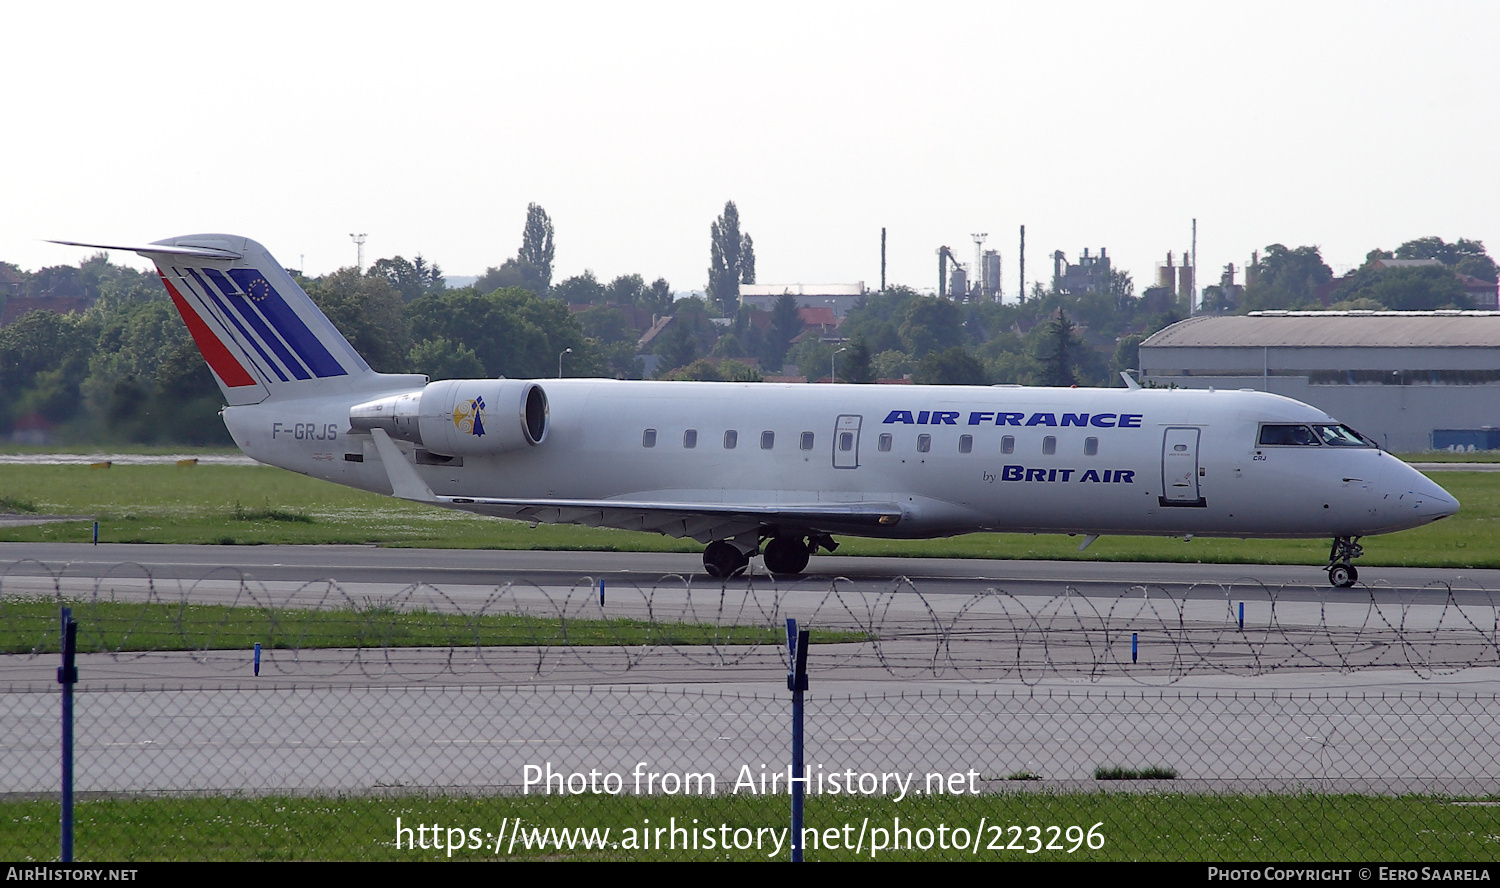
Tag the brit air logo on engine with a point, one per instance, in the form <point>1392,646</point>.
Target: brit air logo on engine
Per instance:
<point>985,417</point>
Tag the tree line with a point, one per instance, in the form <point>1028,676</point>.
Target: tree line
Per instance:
<point>1298,278</point>
<point>125,370</point>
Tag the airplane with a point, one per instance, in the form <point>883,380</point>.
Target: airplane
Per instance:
<point>771,470</point>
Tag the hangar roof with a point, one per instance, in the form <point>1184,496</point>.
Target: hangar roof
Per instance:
<point>1310,329</point>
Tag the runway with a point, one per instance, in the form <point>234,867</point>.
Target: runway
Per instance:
<point>993,665</point>
<point>360,565</point>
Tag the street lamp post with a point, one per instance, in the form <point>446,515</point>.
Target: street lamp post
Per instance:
<point>832,364</point>
<point>566,351</point>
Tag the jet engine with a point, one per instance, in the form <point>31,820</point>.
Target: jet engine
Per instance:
<point>461,417</point>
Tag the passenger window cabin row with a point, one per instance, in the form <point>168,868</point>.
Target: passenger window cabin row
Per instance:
<point>884,443</point>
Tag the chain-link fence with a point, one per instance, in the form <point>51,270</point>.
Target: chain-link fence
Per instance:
<point>1138,726</point>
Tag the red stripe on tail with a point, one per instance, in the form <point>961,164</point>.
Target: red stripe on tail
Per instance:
<point>218,357</point>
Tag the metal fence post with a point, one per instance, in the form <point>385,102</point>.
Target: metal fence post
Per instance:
<point>796,682</point>
<point>67,676</point>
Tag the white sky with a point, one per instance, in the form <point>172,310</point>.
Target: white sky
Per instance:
<point>430,126</point>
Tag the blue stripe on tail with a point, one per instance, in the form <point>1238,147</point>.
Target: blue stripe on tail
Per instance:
<point>286,321</point>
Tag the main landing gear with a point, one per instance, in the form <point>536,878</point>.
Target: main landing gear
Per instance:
<point>1340,572</point>
<point>722,560</point>
<point>785,554</point>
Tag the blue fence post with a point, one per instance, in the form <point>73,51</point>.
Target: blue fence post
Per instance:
<point>67,676</point>
<point>796,682</point>
<point>1135,645</point>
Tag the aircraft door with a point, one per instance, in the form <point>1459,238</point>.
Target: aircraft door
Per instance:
<point>846,442</point>
<point>1179,468</point>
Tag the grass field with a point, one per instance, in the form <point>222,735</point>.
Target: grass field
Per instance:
<point>1125,826</point>
<point>250,505</point>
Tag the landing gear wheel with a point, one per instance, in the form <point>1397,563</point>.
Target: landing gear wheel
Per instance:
<point>721,560</point>
<point>786,556</point>
<point>1341,574</point>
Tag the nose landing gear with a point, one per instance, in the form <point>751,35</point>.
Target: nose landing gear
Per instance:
<point>1341,573</point>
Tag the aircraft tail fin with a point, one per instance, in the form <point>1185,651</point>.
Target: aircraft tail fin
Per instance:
<point>262,336</point>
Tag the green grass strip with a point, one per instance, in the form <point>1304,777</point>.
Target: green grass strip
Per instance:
<point>31,626</point>
<point>1012,826</point>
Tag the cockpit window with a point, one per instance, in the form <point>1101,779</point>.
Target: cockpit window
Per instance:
<point>1287,436</point>
<point>1342,436</point>
<point>1334,435</point>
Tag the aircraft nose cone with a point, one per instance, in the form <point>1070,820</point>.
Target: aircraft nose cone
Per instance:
<point>1419,497</point>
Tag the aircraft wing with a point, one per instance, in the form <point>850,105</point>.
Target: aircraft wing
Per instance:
<point>701,521</point>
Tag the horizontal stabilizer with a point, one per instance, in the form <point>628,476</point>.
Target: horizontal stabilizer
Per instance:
<point>144,249</point>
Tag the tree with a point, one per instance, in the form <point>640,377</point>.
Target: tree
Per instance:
<point>890,364</point>
<point>581,289</point>
<point>1121,287</point>
<point>411,279</point>
<point>657,298</point>
<point>931,324</point>
<point>1286,278</point>
<point>607,324</point>
<point>1056,352</point>
<point>731,260</point>
<point>786,323</point>
<point>511,273</point>
<point>747,262</point>
<point>513,333</point>
<point>857,367</point>
<point>1404,289</point>
<point>704,370</point>
<point>536,244</point>
<point>1463,256</point>
<point>877,317</point>
<point>690,335</point>
<point>367,310</point>
<point>1127,354</point>
<point>813,357</point>
<point>627,289</point>
<point>953,366</point>
<point>441,359</point>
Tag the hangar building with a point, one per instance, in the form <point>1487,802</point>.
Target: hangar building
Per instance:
<point>1411,380</point>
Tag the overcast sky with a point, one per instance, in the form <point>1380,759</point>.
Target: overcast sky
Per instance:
<point>431,126</point>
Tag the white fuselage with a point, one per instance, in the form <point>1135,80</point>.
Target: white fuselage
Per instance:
<point>955,459</point>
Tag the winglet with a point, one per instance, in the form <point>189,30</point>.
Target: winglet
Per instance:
<point>1130,382</point>
<point>405,483</point>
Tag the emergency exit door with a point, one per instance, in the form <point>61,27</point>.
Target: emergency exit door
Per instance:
<point>846,442</point>
<point>1179,468</point>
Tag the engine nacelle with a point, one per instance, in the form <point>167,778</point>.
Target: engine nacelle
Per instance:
<point>461,417</point>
